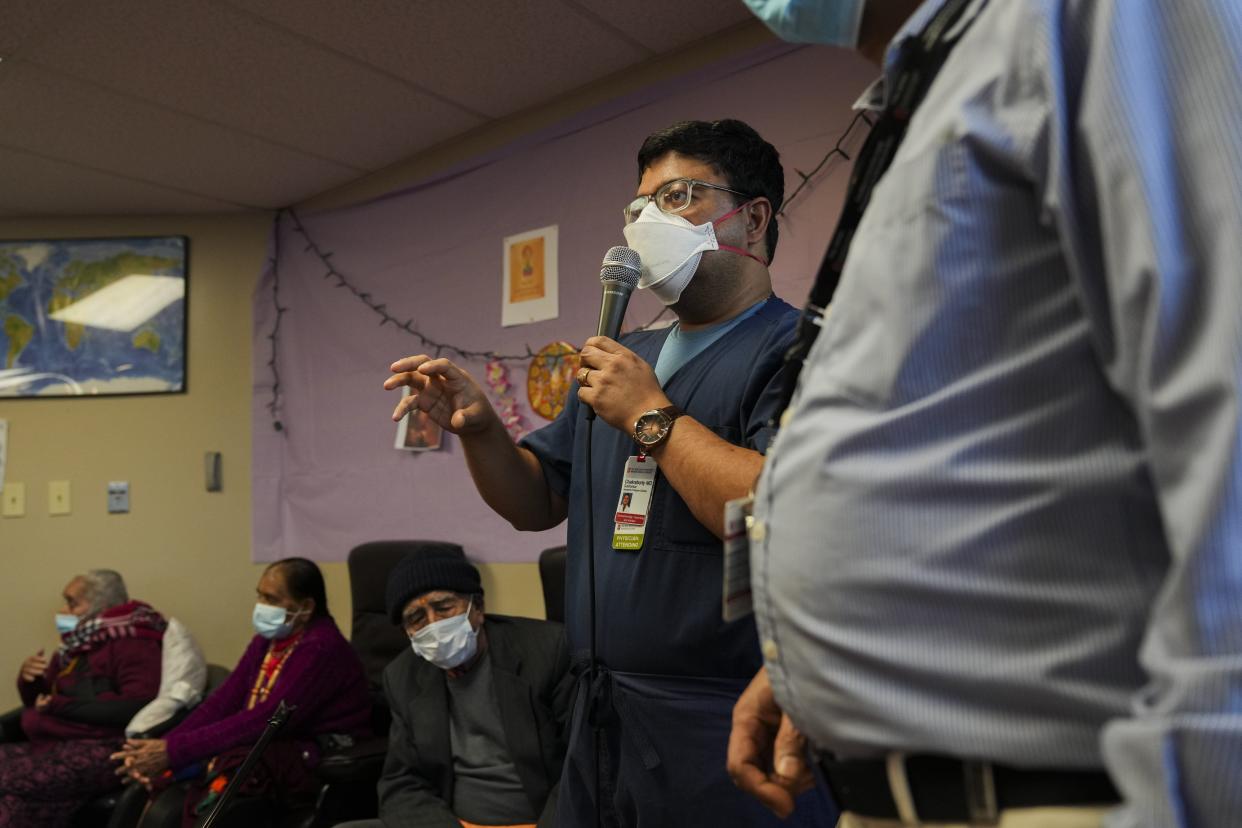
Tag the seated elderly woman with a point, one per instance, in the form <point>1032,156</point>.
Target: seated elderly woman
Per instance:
<point>297,656</point>
<point>76,703</point>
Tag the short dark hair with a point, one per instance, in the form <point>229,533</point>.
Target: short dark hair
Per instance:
<point>748,163</point>
<point>304,580</point>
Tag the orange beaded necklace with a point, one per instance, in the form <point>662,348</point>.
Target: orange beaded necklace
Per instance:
<point>278,653</point>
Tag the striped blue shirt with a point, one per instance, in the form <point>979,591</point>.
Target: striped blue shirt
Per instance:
<point>1004,518</point>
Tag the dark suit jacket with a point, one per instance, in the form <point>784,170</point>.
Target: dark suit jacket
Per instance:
<point>530,671</point>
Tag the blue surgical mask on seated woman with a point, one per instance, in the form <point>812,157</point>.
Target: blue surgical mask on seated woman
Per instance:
<point>66,622</point>
<point>449,642</point>
<point>273,622</point>
<point>830,22</point>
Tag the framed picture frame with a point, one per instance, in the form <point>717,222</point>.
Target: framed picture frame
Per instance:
<point>530,288</point>
<point>93,316</point>
<point>417,432</point>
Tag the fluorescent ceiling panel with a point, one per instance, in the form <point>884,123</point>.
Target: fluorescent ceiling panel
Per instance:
<point>125,304</point>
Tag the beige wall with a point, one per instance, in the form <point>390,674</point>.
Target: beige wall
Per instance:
<point>183,549</point>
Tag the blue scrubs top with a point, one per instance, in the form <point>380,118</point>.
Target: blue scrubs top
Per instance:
<point>659,608</point>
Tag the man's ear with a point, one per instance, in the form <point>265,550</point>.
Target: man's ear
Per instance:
<point>758,217</point>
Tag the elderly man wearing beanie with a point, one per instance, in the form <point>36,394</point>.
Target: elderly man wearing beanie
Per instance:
<point>479,706</point>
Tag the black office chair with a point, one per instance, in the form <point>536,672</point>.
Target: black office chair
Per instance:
<point>552,575</point>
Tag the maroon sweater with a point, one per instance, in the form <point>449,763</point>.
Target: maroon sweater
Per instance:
<point>322,677</point>
<point>106,687</point>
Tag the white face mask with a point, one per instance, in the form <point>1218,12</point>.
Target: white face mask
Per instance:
<point>449,642</point>
<point>671,247</point>
<point>830,22</point>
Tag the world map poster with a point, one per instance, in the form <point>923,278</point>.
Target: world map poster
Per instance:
<point>92,316</point>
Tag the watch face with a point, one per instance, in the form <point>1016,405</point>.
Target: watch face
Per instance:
<point>651,427</point>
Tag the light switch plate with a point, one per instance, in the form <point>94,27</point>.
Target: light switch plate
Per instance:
<point>58,497</point>
<point>211,468</point>
<point>118,497</point>
<point>14,500</point>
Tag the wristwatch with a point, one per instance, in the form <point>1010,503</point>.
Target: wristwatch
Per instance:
<point>652,427</point>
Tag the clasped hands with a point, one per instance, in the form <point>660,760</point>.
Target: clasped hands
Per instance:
<point>141,760</point>
<point>620,385</point>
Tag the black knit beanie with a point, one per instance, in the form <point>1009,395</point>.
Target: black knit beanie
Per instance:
<point>422,572</point>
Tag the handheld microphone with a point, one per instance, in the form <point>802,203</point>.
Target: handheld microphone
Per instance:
<point>619,276</point>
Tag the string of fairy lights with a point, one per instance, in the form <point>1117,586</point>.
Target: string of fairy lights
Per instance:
<point>342,281</point>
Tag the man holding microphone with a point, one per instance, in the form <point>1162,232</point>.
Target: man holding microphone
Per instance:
<point>693,402</point>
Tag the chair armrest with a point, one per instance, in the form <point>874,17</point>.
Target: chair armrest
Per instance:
<point>360,761</point>
<point>11,726</point>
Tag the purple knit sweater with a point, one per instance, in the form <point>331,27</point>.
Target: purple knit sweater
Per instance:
<point>322,677</point>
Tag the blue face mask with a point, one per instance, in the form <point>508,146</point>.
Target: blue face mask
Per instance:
<point>273,622</point>
<point>66,623</point>
<point>830,22</point>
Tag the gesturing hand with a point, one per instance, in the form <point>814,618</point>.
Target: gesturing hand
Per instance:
<point>767,754</point>
<point>449,395</point>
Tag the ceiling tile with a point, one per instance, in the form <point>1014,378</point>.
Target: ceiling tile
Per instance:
<point>494,57</point>
<point>33,186</point>
<point>223,66</point>
<point>149,106</point>
<point>662,26</point>
<point>20,19</point>
<point>146,142</point>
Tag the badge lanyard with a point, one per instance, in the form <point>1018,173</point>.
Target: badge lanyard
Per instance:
<point>919,60</point>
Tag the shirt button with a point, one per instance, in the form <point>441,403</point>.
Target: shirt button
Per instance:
<point>758,531</point>
<point>771,652</point>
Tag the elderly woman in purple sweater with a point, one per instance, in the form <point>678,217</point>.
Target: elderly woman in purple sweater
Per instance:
<point>298,656</point>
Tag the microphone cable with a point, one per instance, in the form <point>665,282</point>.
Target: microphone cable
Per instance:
<point>619,275</point>
<point>592,658</point>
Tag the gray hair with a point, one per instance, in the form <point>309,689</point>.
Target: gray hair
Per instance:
<point>105,588</point>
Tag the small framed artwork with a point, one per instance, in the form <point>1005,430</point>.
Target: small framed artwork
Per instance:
<point>418,432</point>
<point>530,277</point>
<point>93,317</point>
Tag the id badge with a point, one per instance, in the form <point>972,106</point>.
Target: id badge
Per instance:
<point>634,503</point>
<point>737,599</point>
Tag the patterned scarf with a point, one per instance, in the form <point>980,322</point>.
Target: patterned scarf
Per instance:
<point>130,620</point>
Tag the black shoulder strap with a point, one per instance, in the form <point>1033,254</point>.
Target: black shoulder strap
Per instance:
<point>919,60</point>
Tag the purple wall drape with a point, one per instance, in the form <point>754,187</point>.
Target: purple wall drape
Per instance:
<point>331,478</point>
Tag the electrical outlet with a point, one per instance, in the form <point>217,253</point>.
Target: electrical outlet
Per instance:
<point>58,497</point>
<point>118,497</point>
<point>14,500</point>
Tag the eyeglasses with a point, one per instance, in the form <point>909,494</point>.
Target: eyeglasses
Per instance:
<point>673,197</point>
<point>435,610</point>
